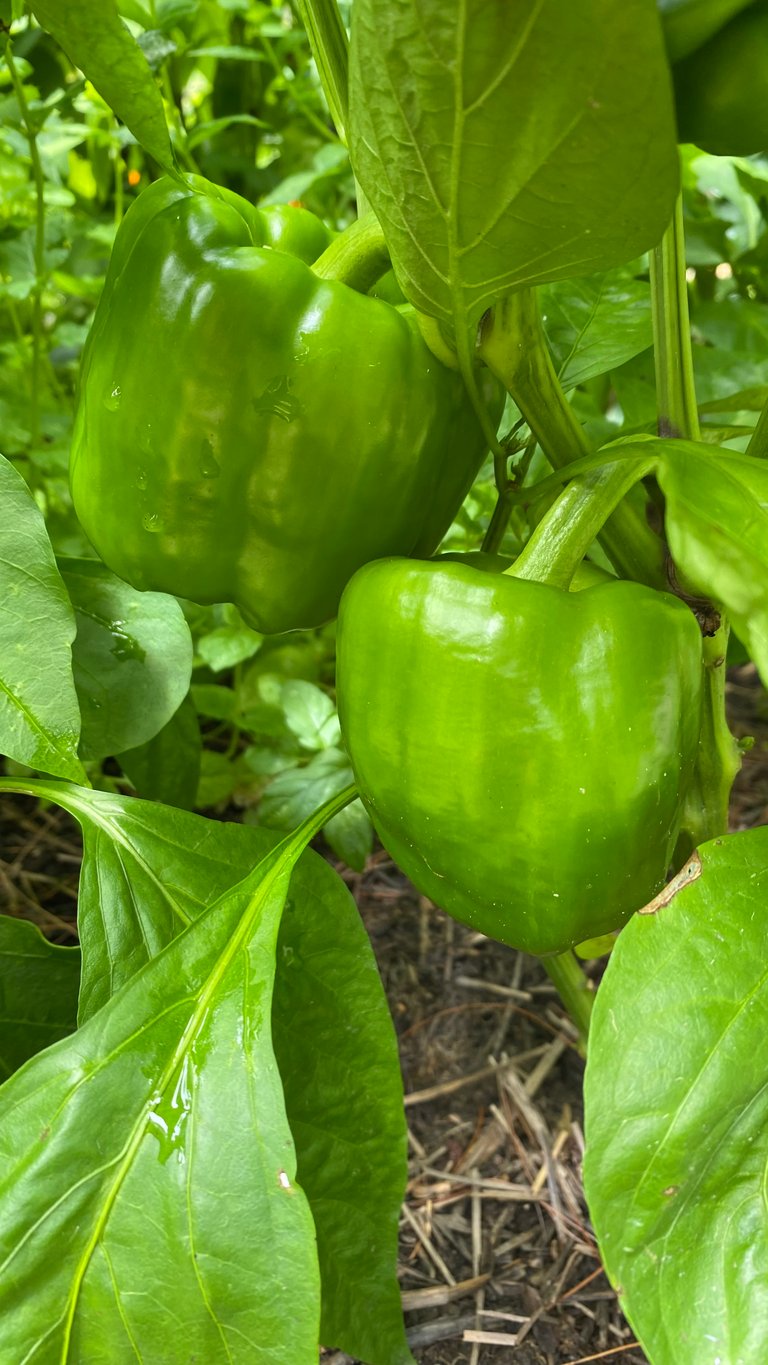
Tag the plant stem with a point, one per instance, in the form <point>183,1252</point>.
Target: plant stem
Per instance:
<point>40,275</point>
<point>358,257</point>
<point>514,347</point>
<point>330,49</point>
<point>563,536</point>
<point>706,808</point>
<point>678,413</point>
<point>574,990</point>
<point>503,509</point>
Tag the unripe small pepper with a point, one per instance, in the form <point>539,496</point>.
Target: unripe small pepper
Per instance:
<point>524,752</point>
<point>248,432</point>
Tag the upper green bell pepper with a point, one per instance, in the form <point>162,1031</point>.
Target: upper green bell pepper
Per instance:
<point>524,752</point>
<point>249,432</point>
<point>721,89</point>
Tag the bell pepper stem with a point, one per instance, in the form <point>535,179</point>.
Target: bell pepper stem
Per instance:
<point>574,990</point>
<point>565,533</point>
<point>358,257</point>
<point>719,757</point>
<point>515,349</point>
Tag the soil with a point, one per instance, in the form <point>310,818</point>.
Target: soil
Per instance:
<point>497,1257</point>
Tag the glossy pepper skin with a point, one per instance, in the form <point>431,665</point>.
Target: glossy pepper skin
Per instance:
<point>524,752</point>
<point>250,433</point>
<point>721,89</point>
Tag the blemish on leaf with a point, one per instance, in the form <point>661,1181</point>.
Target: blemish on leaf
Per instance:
<point>284,1180</point>
<point>671,1190</point>
<point>689,873</point>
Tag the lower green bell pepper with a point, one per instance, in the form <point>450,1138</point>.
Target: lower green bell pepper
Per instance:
<point>250,432</point>
<point>524,752</point>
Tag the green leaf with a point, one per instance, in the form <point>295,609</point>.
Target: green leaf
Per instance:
<point>167,768</point>
<point>716,522</point>
<point>677,1112</point>
<point>294,793</point>
<point>188,1158</point>
<point>132,658</point>
<point>593,325</point>
<point>97,41</point>
<point>507,145</point>
<point>350,835</point>
<point>38,992</point>
<point>310,714</point>
<point>147,872</point>
<point>337,1054</point>
<point>39,715</point>
<point>689,23</point>
<point>227,646</point>
<point>333,1034</point>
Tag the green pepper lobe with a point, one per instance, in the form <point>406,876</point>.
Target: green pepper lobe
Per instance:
<point>524,752</point>
<point>249,433</point>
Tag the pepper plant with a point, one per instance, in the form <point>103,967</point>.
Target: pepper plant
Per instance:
<point>202,1135</point>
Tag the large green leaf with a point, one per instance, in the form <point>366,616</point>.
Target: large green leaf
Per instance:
<point>716,522</point>
<point>689,23</point>
<point>148,871</point>
<point>148,1204</point>
<point>132,658</point>
<point>337,1054</point>
<point>97,41</point>
<point>510,144</point>
<point>39,715</point>
<point>677,1112</point>
<point>595,324</point>
<point>38,992</point>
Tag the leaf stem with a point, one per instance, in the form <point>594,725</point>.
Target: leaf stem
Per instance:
<point>330,48</point>
<point>574,990</point>
<point>40,273</point>
<point>718,761</point>
<point>514,347</point>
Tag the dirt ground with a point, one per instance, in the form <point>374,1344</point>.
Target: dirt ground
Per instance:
<point>497,1258</point>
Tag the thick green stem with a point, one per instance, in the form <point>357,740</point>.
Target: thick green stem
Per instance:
<point>574,990</point>
<point>758,445</point>
<point>514,347</point>
<point>719,757</point>
<point>706,811</point>
<point>37,293</point>
<point>678,413</point>
<point>563,536</point>
<point>330,49</point>
<point>358,257</point>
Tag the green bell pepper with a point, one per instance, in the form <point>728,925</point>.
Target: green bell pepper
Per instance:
<point>523,751</point>
<point>721,89</point>
<point>249,432</point>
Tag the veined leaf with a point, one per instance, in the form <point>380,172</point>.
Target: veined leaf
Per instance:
<point>97,41</point>
<point>677,1111</point>
<point>193,1164</point>
<point>716,521</point>
<point>132,658</point>
<point>148,872</point>
<point>39,714</point>
<point>504,145</point>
